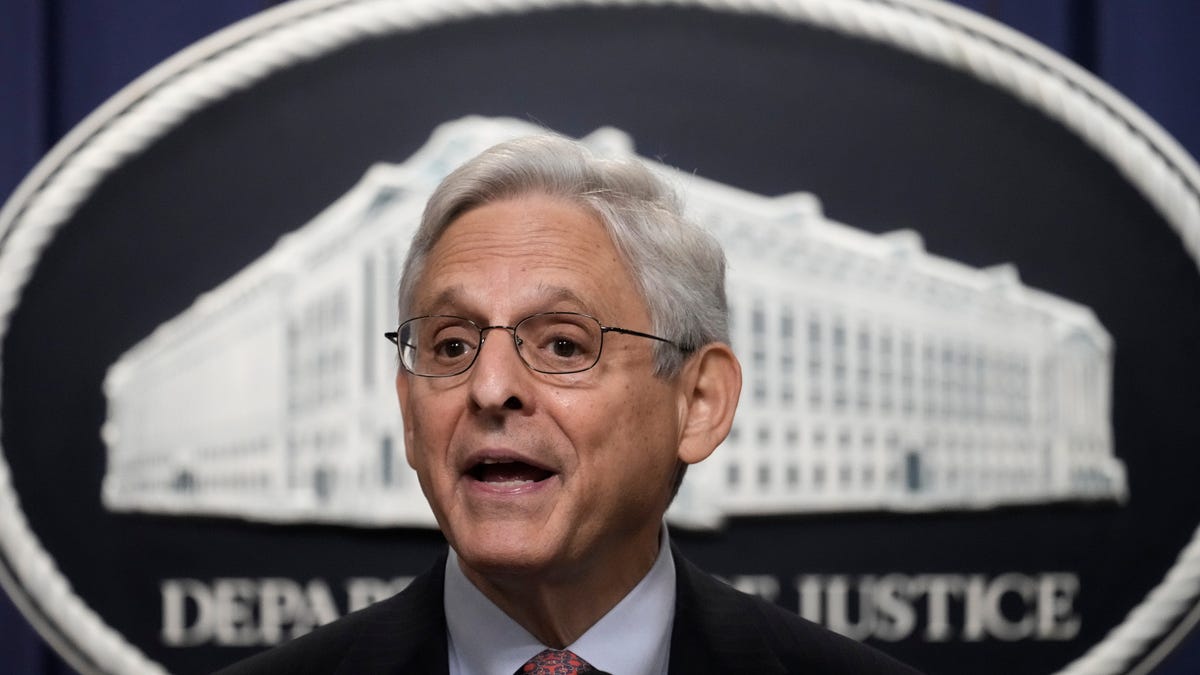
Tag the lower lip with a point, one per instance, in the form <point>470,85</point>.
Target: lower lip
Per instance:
<point>512,488</point>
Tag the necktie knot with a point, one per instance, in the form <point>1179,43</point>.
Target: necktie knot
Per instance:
<point>556,662</point>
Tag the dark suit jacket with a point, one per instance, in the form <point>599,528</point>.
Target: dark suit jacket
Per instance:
<point>717,630</point>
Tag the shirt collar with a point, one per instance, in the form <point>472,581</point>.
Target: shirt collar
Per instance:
<point>483,640</point>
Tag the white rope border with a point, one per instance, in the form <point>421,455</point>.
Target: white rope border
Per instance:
<point>247,52</point>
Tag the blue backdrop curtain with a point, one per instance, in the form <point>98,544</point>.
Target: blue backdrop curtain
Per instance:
<point>60,59</point>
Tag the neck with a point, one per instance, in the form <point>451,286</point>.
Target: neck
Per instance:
<point>559,608</point>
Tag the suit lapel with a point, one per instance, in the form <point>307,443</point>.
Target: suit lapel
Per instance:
<point>409,637</point>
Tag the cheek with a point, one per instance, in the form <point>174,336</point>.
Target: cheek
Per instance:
<point>631,435</point>
<point>427,438</point>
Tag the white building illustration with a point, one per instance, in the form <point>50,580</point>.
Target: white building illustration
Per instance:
<point>877,376</point>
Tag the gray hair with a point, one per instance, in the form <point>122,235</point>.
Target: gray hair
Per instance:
<point>678,267</point>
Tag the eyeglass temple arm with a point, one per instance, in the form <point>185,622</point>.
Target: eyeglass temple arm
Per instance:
<point>626,331</point>
<point>394,337</point>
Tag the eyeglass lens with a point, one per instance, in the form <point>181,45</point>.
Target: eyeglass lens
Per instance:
<point>555,342</point>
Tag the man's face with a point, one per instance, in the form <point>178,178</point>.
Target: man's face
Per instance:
<point>550,475</point>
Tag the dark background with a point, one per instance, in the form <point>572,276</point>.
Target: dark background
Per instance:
<point>60,60</point>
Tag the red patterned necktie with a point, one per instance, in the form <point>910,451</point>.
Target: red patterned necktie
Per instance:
<point>556,662</point>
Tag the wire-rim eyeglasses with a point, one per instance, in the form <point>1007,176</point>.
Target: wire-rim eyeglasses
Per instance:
<point>554,343</point>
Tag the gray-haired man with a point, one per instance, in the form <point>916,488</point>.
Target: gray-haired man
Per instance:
<point>564,356</point>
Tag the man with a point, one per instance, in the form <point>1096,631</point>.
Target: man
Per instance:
<point>564,356</point>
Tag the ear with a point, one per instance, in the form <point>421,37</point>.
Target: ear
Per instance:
<point>710,385</point>
<point>403,397</point>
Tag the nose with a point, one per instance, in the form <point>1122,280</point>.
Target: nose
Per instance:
<point>498,378</point>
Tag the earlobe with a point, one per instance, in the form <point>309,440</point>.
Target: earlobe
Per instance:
<point>712,383</point>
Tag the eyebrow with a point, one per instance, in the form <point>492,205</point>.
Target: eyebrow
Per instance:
<point>448,296</point>
<point>559,294</point>
<point>451,297</point>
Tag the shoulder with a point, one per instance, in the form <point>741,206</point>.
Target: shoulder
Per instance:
<point>727,622</point>
<point>411,620</point>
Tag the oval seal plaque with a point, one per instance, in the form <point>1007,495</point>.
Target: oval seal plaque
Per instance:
<point>962,273</point>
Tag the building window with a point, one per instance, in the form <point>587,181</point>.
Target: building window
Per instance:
<point>839,365</point>
<point>815,374</point>
<point>758,324</point>
<point>948,373</point>
<point>787,357</point>
<point>370,340</point>
<point>792,438</point>
<point>386,461</point>
<point>927,380</point>
<point>864,367</point>
<point>907,376</point>
<point>815,399</point>
<point>965,395</point>
<point>885,371</point>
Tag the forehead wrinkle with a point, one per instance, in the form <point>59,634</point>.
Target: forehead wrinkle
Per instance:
<point>546,242</point>
<point>545,298</point>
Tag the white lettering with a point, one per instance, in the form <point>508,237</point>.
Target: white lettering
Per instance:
<point>941,607</point>
<point>940,589</point>
<point>1019,586</point>
<point>1056,602</point>
<point>286,610</point>
<point>258,612</point>
<point>320,602</point>
<point>897,618</point>
<point>281,601</point>
<point>837,592</point>
<point>1009,607</point>
<point>179,598</point>
<point>233,615</point>
<point>975,624</point>
<point>810,598</point>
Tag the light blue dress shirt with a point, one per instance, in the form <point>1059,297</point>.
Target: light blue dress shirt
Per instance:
<point>634,638</point>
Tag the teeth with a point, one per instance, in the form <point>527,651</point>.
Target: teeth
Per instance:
<point>493,461</point>
<point>511,483</point>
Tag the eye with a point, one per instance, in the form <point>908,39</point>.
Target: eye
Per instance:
<point>565,348</point>
<point>450,341</point>
<point>451,348</point>
<point>559,342</point>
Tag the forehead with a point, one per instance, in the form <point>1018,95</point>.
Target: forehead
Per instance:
<point>527,254</point>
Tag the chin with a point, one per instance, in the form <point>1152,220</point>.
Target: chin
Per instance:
<point>504,563</point>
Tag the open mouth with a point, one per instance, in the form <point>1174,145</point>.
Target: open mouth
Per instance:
<point>503,473</point>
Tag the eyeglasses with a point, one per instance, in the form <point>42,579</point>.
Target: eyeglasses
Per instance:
<point>555,343</point>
